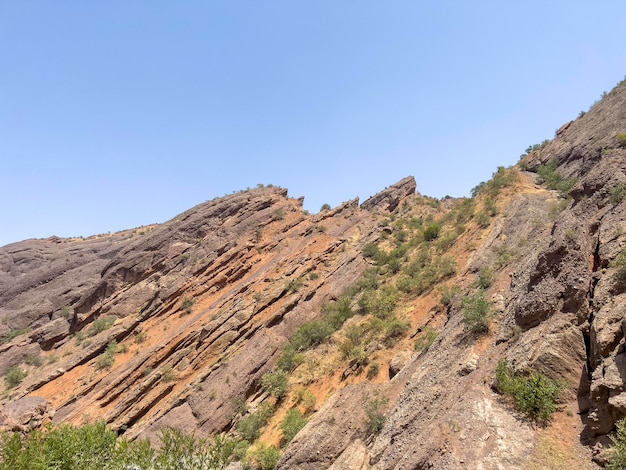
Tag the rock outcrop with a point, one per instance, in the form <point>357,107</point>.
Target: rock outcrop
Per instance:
<point>389,199</point>
<point>209,298</point>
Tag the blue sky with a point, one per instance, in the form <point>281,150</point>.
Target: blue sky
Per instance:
<point>118,114</point>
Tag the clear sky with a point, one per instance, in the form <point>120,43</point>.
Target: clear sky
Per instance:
<point>116,114</point>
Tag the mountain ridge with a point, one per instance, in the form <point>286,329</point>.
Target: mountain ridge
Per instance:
<point>184,324</point>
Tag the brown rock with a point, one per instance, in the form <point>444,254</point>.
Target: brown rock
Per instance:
<point>399,361</point>
<point>391,197</point>
<point>25,413</point>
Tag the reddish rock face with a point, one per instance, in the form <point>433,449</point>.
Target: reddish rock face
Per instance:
<point>209,298</point>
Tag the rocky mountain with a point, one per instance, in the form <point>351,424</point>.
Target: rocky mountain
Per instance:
<point>386,330</point>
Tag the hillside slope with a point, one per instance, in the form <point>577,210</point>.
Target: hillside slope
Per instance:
<point>357,319</point>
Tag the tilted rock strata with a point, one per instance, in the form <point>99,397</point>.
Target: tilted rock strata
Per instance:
<point>201,307</point>
<point>245,261</point>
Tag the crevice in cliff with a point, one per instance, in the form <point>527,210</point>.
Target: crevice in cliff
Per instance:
<point>586,331</point>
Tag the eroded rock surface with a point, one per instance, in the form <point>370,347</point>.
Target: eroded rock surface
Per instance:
<point>199,308</point>
<point>389,199</point>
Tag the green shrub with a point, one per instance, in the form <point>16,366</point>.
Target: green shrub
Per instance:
<point>486,276</point>
<point>372,371</point>
<point>187,305</point>
<point>107,359</point>
<point>446,266</point>
<point>400,236</point>
<point>240,405</point>
<point>310,334</point>
<point>617,460</point>
<point>505,256</point>
<point>490,207</point>
<point>351,348</point>
<point>368,280</point>
<point>423,272</point>
<point>406,284</point>
<point>34,360</point>
<point>532,148</point>
<point>379,303</point>
<point>336,313</point>
<point>477,312</point>
<point>425,339</point>
<point>325,207</point>
<point>265,457</point>
<point>620,263</point>
<point>275,383</point>
<point>375,417</point>
<point>289,359</point>
<point>353,334</point>
<point>295,285</point>
<point>535,395</point>
<point>621,139</point>
<point>449,294</point>
<point>169,374</point>
<point>446,241</point>
<point>483,220</point>
<point>250,426</point>
<point>431,232</point>
<point>180,450</point>
<point>14,333</point>
<point>394,264</point>
<point>14,376</point>
<point>394,330</point>
<point>95,446</point>
<point>141,338</point>
<point>465,210</point>
<point>279,214</point>
<point>552,178</point>
<point>99,325</point>
<point>291,425</point>
<point>502,178</point>
<point>421,261</point>
<point>617,194</point>
<point>67,311</point>
<point>303,396</point>
<point>371,250</point>
<point>358,358</point>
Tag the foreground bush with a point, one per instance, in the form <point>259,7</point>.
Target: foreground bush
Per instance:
<point>535,395</point>
<point>617,460</point>
<point>94,446</point>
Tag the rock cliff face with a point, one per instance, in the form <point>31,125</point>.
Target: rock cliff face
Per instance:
<point>177,324</point>
<point>208,297</point>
